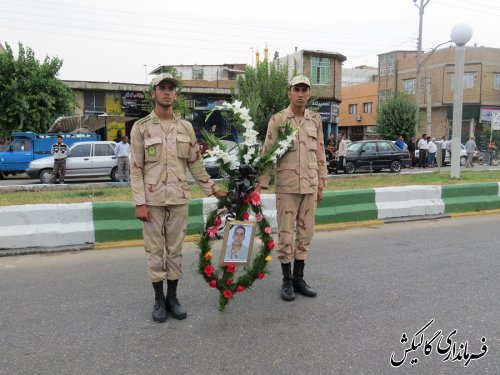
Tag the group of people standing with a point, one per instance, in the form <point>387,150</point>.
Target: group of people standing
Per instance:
<point>338,154</point>
<point>164,146</point>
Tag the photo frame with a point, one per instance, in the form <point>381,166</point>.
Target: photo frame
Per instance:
<point>237,249</point>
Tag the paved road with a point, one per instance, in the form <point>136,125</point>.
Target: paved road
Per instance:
<point>89,312</point>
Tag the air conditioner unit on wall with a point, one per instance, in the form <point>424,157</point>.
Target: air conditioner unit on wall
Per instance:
<point>359,118</point>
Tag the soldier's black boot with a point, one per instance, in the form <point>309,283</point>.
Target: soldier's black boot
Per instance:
<point>299,285</point>
<point>287,292</point>
<point>172,303</point>
<point>159,310</point>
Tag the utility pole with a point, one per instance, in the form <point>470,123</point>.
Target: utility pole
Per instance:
<point>146,73</point>
<point>421,8</point>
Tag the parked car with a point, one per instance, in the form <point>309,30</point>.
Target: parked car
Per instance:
<point>375,155</point>
<point>210,162</point>
<point>447,158</point>
<point>88,159</point>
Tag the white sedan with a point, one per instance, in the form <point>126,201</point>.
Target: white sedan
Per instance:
<point>86,159</point>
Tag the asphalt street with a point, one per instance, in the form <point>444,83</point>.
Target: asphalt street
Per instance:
<point>89,312</point>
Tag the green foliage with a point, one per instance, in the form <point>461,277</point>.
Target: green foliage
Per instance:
<point>31,97</point>
<point>263,90</point>
<point>396,116</point>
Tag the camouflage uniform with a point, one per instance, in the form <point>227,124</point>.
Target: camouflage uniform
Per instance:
<point>299,174</point>
<point>161,152</point>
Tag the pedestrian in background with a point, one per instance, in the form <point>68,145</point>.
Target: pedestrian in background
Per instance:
<point>422,151</point>
<point>163,146</point>
<point>122,152</point>
<point>411,151</point>
<point>342,152</point>
<point>444,144</point>
<point>470,147</point>
<point>492,149</point>
<point>400,142</point>
<point>60,151</point>
<point>432,149</point>
<point>301,175</point>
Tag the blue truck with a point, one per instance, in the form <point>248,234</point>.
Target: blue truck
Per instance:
<point>27,146</point>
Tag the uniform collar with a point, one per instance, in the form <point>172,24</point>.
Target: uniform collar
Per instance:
<point>289,113</point>
<point>156,119</point>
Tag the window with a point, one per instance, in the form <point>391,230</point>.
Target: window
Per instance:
<point>80,151</point>
<point>198,73</point>
<point>386,64</point>
<point>103,149</point>
<point>370,147</point>
<point>468,81</point>
<point>320,70</point>
<point>409,86</point>
<point>353,109</point>
<point>385,147</point>
<point>367,107</point>
<point>93,102</point>
<point>497,82</point>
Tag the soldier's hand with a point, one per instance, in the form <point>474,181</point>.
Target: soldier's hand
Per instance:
<point>220,194</point>
<point>257,187</point>
<point>142,213</point>
<point>320,195</point>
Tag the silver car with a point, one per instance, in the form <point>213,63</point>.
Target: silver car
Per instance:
<point>86,159</point>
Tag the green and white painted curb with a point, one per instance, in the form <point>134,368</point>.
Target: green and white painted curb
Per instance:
<point>55,225</point>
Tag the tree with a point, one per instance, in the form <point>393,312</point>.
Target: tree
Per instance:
<point>396,116</point>
<point>263,90</point>
<point>31,97</point>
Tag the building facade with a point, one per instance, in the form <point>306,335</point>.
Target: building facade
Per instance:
<point>358,111</point>
<point>481,88</point>
<point>324,70</point>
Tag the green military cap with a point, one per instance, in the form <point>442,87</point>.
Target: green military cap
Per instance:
<point>300,79</point>
<point>163,77</point>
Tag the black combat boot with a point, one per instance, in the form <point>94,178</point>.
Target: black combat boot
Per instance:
<point>172,303</point>
<point>159,310</point>
<point>287,287</point>
<point>299,285</point>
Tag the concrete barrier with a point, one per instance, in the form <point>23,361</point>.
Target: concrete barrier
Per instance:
<point>55,225</point>
<point>406,201</point>
<point>471,197</point>
<point>115,221</point>
<point>346,206</point>
<point>46,225</point>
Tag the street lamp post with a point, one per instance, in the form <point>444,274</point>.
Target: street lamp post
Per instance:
<point>421,9</point>
<point>460,35</point>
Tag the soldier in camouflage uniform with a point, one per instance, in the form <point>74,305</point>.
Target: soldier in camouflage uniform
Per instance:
<point>300,177</point>
<point>163,145</point>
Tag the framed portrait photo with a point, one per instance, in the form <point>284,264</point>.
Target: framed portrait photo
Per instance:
<point>238,243</point>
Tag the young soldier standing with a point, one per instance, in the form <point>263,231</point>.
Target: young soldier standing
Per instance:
<point>301,175</point>
<point>163,145</point>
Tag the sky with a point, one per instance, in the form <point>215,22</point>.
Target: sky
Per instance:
<point>123,40</point>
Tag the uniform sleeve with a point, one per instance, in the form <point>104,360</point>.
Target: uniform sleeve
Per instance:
<point>196,167</point>
<point>137,166</point>
<point>321,158</point>
<point>271,139</point>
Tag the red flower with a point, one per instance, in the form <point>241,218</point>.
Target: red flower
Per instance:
<point>270,244</point>
<point>229,281</point>
<point>260,275</point>
<point>213,283</point>
<point>218,222</point>
<point>267,230</point>
<point>231,268</point>
<point>208,270</point>
<point>246,216</point>
<point>254,198</point>
<point>228,294</point>
<point>240,288</point>
<point>259,217</point>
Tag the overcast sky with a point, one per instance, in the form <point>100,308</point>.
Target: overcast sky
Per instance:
<point>118,40</point>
